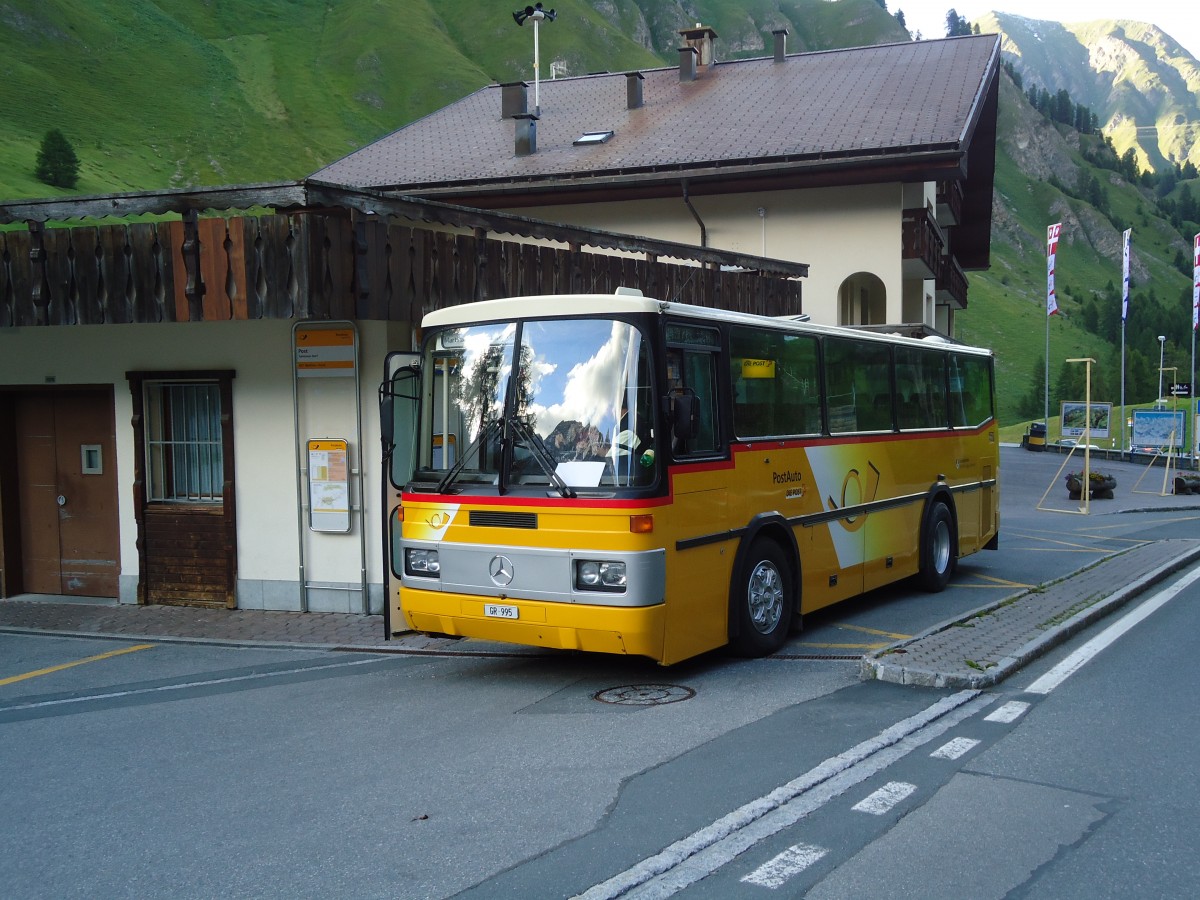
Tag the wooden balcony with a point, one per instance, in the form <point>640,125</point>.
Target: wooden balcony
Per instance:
<point>949,203</point>
<point>922,244</point>
<point>375,257</point>
<point>951,284</point>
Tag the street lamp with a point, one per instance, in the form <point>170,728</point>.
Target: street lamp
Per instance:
<point>1162,346</point>
<point>537,15</point>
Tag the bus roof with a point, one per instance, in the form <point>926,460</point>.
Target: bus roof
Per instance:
<point>626,302</point>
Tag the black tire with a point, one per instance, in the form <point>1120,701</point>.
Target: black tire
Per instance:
<point>937,549</point>
<point>763,598</point>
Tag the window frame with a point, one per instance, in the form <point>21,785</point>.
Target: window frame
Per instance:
<point>139,382</point>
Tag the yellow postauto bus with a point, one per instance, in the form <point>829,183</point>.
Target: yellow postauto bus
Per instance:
<point>617,474</point>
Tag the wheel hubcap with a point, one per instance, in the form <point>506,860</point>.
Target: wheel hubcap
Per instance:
<point>941,547</point>
<point>765,596</point>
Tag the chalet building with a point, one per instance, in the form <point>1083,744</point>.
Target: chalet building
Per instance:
<point>874,165</point>
<point>188,378</point>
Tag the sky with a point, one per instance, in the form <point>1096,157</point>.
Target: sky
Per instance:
<point>1178,18</point>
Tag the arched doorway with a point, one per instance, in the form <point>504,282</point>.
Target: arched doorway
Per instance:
<point>862,300</point>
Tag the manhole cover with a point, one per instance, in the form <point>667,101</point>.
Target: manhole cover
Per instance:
<point>645,694</point>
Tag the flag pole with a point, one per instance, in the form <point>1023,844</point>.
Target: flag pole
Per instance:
<point>1195,325</point>
<point>1052,234</point>
<point>1124,315</point>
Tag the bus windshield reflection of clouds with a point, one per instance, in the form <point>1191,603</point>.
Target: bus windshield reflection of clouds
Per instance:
<point>571,397</point>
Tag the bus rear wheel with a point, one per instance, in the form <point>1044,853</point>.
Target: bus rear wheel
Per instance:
<point>763,596</point>
<point>937,549</point>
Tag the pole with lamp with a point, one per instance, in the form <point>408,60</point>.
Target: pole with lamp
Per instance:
<point>535,14</point>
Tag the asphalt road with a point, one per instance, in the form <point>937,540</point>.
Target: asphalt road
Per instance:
<point>202,771</point>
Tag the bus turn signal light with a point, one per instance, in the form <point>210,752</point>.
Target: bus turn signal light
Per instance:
<point>641,524</point>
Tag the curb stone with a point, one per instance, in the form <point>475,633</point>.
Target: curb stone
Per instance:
<point>901,662</point>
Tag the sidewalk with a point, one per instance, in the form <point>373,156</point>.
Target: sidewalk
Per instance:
<point>320,631</point>
<point>987,645</point>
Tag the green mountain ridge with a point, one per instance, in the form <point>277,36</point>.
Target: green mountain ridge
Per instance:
<point>170,93</point>
<point>1143,86</point>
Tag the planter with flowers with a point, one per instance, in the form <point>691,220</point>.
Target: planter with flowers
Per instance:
<point>1101,485</point>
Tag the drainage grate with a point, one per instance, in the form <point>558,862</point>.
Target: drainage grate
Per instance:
<point>644,694</point>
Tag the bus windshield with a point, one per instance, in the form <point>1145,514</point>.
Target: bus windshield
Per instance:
<point>565,404</point>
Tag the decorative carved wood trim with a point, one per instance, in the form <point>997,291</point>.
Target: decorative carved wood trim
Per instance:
<point>322,265</point>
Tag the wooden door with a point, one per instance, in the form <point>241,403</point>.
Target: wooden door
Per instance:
<point>67,493</point>
<point>183,488</point>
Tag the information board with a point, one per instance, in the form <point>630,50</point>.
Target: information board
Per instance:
<point>329,486</point>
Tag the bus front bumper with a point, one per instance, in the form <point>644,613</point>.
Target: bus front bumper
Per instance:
<point>632,631</point>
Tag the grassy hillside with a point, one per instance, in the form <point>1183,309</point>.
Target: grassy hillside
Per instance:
<point>169,93</point>
<point>166,93</point>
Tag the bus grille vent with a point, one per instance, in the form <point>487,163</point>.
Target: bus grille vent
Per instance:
<point>491,519</point>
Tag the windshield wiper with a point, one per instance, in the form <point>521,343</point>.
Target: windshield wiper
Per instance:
<point>545,461</point>
<point>461,463</point>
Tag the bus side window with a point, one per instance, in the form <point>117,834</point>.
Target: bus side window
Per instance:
<point>970,390</point>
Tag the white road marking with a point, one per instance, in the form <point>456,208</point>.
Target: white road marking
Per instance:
<point>884,799</point>
<point>1009,712</point>
<point>703,852</point>
<point>112,695</point>
<point>1084,654</point>
<point>791,862</point>
<point>955,748</point>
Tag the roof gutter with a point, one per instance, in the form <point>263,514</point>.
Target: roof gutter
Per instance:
<point>695,215</point>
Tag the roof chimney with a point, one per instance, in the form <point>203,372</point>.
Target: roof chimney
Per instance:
<point>701,37</point>
<point>633,90</point>
<point>526,134</point>
<point>514,99</point>
<point>687,63</point>
<point>780,44</point>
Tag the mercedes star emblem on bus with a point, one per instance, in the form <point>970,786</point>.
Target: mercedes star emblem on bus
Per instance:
<point>501,570</point>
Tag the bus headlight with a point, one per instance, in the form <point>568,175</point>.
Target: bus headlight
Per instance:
<point>600,575</point>
<point>422,562</point>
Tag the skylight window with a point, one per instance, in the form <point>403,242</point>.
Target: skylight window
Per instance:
<point>593,137</point>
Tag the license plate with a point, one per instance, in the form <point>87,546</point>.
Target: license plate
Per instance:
<point>500,611</point>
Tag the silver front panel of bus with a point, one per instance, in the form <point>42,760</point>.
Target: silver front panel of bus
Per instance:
<point>539,574</point>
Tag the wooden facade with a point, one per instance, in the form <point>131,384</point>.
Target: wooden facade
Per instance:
<point>348,263</point>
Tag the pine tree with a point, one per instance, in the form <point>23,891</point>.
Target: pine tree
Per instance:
<point>57,163</point>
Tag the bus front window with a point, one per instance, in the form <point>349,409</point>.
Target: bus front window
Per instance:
<point>562,402</point>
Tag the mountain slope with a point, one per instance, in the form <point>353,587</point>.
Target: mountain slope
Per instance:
<point>1143,86</point>
<point>159,93</point>
<point>1007,303</point>
<point>170,93</point>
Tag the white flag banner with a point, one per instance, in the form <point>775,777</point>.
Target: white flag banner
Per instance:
<point>1052,234</point>
<point>1196,283</point>
<point>1125,275</point>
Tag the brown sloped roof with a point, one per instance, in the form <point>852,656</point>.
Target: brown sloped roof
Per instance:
<point>748,117</point>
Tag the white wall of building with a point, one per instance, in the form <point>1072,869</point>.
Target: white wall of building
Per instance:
<point>269,522</point>
<point>838,232</point>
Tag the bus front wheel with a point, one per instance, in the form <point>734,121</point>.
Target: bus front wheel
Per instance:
<point>763,596</point>
<point>937,549</point>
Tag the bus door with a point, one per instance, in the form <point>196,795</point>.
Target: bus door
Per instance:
<point>698,576</point>
<point>398,405</point>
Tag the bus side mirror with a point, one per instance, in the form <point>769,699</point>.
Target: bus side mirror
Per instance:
<point>685,416</point>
